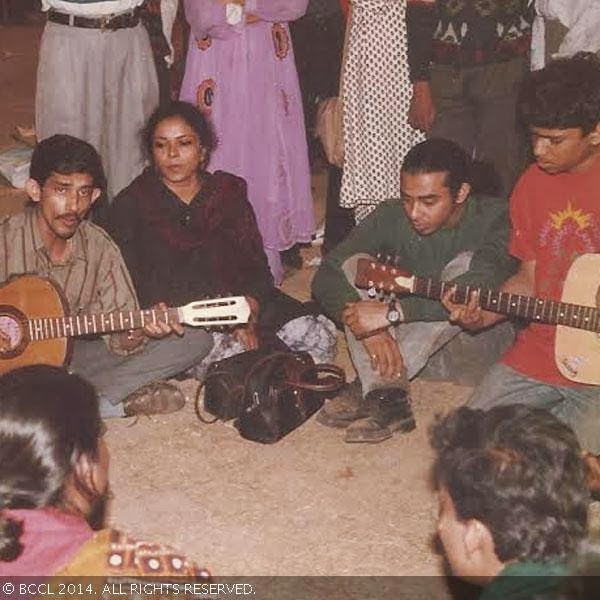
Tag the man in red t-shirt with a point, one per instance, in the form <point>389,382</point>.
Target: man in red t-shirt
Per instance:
<point>555,213</point>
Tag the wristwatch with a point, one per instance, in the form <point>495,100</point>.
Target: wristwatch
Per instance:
<point>394,315</point>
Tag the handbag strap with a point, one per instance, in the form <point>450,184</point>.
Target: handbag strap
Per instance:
<point>197,404</point>
<point>336,378</point>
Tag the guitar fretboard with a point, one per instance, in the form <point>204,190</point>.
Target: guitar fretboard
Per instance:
<point>539,310</point>
<point>98,323</point>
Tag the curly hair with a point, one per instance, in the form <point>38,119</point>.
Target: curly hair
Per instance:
<point>519,471</point>
<point>563,95</point>
<point>48,419</point>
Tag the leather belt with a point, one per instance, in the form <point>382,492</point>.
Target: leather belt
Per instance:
<point>107,23</point>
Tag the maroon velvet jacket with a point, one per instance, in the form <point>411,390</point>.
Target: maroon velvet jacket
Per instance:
<point>177,253</point>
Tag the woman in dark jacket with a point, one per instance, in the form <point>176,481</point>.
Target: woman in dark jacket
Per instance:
<point>186,233</point>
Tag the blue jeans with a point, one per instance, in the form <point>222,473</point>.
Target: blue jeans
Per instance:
<point>115,376</point>
<point>578,407</point>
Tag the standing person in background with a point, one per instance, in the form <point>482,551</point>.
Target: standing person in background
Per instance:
<point>319,45</point>
<point>467,59</point>
<point>376,90</point>
<point>160,18</point>
<point>564,27</point>
<point>240,72</point>
<point>97,81</point>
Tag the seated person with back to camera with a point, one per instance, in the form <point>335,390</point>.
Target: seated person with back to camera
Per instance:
<point>513,502</point>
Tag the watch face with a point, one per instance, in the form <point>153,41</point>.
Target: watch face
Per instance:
<point>393,316</point>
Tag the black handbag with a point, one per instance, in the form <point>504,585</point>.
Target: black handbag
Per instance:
<point>268,393</point>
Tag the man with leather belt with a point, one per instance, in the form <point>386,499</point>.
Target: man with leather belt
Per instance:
<point>438,229</point>
<point>97,81</point>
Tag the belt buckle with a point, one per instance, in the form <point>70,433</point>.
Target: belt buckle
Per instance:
<point>105,23</point>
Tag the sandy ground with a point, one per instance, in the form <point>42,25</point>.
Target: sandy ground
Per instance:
<point>309,505</point>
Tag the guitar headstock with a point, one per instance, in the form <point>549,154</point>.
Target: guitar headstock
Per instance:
<point>233,310</point>
<point>383,276</point>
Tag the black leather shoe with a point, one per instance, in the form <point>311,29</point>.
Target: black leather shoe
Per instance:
<point>389,411</point>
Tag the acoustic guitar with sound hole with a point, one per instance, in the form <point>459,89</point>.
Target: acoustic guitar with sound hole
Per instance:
<point>576,314</point>
<point>37,328</point>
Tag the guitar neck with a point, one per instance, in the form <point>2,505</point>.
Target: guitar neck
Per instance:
<point>539,310</point>
<point>45,328</point>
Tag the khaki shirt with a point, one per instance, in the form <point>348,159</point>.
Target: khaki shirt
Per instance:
<point>93,279</point>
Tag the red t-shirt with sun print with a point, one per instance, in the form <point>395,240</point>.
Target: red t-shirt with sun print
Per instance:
<point>555,218</point>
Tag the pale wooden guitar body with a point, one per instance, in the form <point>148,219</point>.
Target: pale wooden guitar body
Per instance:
<point>577,352</point>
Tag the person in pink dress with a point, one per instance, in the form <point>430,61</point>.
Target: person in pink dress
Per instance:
<point>240,72</point>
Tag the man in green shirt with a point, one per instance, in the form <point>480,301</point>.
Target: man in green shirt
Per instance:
<point>439,229</point>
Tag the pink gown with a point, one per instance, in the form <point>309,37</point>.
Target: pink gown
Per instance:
<point>244,77</point>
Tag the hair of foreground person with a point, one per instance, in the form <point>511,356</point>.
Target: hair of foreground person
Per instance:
<point>48,420</point>
<point>519,471</point>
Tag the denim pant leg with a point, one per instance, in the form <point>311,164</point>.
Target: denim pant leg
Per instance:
<point>578,407</point>
<point>417,341</point>
<point>115,377</point>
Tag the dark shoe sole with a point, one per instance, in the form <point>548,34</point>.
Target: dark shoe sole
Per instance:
<point>385,433</point>
<point>338,422</point>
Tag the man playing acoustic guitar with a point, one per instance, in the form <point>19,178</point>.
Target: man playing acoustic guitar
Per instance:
<point>52,239</point>
<point>555,212</point>
<point>438,229</point>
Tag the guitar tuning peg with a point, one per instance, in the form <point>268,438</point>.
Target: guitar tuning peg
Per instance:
<point>379,256</point>
<point>397,260</point>
<point>388,259</point>
<point>372,291</point>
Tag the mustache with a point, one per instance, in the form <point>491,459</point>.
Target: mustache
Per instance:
<point>70,215</point>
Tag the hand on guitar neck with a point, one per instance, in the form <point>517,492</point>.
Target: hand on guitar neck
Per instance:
<point>247,334</point>
<point>472,317</point>
<point>130,340</point>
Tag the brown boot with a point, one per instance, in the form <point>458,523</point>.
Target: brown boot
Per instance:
<point>389,411</point>
<point>157,398</point>
<point>345,408</point>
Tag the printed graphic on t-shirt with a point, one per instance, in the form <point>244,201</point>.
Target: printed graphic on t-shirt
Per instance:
<point>567,234</point>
